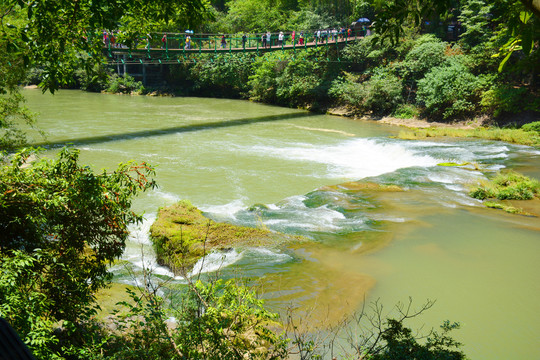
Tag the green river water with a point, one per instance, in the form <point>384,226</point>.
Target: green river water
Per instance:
<point>428,242</point>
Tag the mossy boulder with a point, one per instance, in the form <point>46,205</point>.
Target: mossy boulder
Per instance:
<point>181,235</point>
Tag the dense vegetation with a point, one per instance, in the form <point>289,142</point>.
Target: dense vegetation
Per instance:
<point>62,224</point>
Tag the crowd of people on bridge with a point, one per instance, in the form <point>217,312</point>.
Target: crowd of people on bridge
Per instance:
<point>266,40</point>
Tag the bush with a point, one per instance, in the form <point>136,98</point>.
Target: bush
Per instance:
<point>427,53</point>
<point>225,75</point>
<point>506,98</point>
<point>304,80</point>
<point>95,82</point>
<point>406,111</point>
<point>449,90</point>
<point>369,52</point>
<point>124,85</point>
<point>263,81</point>
<point>381,94</point>
<point>508,185</point>
<point>534,126</point>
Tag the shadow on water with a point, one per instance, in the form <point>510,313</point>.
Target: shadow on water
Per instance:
<point>173,130</point>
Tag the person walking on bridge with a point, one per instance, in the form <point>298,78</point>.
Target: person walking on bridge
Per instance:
<point>223,42</point>
<point>164,41</point>
<point>269,39</point>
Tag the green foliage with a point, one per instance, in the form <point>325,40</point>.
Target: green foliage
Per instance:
<point>12,114</point>
<point>53,34</point>
<point>223,320</point>
<point>223,75</point>
<point>406,111</point>
<point>95,80</point>
<point>213,320</point>
<point>305,79</point>
<point>141,329</point>
<point>512,99</point>
<point>263,82</point>
<point>254,16</point>
<point>534,126</point>
<point>370,52</point>
<point>307,19</point>
<point>449,90</point>
<point>74,222</point>
<point>475,17</point>
<point>508,209</point>
<point>401,344</point>
<point>508,185</point>
<point>124,84</point>
<point>427,53</point>
<point>22,303</point>
<point>381,94</point>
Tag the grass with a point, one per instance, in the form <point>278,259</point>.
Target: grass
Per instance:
<point>506,185</point>
<point>515,136</point>
<point>507,208</point>
<point>181,235</point>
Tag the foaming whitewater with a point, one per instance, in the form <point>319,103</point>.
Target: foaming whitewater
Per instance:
<point>225,211</point>
<point>248,258</point>
<point>139,252</point>
<point>353,159</point>
<point>215,261</point>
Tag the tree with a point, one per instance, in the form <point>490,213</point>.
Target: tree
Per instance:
<point>70,222</point>
<point>61,35</point>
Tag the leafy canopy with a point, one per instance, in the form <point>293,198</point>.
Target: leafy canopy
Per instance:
<point>73,221</point>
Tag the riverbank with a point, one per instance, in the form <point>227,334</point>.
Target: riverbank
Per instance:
<point>482,127</point>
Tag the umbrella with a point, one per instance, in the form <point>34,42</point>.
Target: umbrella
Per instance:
<point>189,31</point>
<point>363,20</point>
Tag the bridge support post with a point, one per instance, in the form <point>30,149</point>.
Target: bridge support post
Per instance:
<point>144,73</point>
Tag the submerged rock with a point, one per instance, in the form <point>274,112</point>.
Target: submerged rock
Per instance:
<point>181,235</point>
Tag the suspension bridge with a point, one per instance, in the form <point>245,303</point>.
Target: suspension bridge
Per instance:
<point>147,57</point>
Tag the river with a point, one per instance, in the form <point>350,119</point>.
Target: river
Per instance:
<point>301,173</point>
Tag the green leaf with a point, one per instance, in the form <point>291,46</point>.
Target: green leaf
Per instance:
<point>524,16</point>
<point>503,62</point>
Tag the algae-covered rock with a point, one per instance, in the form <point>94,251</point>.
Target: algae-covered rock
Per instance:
<point>181,235</point>
<point>365,186</point>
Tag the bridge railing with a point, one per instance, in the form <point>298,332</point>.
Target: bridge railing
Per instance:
<point>193,42</point>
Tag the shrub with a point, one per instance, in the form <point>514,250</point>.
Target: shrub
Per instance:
<point>534,126</point>
<point>304,80</point>
<point>449,90</point>
<point>263,81</point>
<point>380,94</point>
<point>94,81</point>
<point>372,52</point>
<point>508,185</point>
<point>482,193</point>
<point>506,98</point>
<point>406,111</point>
<point>124,84</point>
<point>427,53</point>
<point>225,75</point>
